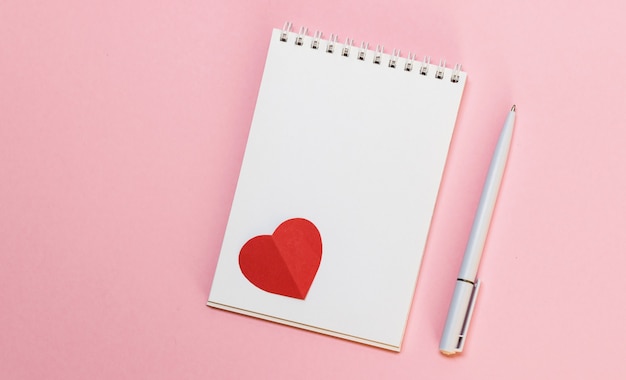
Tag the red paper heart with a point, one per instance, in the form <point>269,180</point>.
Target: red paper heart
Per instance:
<point>285,262</point>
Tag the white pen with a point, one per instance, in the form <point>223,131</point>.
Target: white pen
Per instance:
<point>467,285</point>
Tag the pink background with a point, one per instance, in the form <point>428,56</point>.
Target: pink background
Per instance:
<point>122,129</point>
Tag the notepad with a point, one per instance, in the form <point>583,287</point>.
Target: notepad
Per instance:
<point>337,187</point>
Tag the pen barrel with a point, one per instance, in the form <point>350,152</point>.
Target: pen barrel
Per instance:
<point>482,220</point>
<point>465,292</point>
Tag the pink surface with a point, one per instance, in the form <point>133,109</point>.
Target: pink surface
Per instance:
<point>122,129</point>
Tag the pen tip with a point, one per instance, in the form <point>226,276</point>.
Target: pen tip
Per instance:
<point>513,108</point>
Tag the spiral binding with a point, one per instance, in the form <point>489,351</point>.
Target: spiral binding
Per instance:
<point>348,45</point>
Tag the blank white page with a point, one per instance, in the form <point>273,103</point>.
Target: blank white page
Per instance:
<point>358,149</point>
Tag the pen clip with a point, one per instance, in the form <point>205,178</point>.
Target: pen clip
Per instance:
<point>468,317</point>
